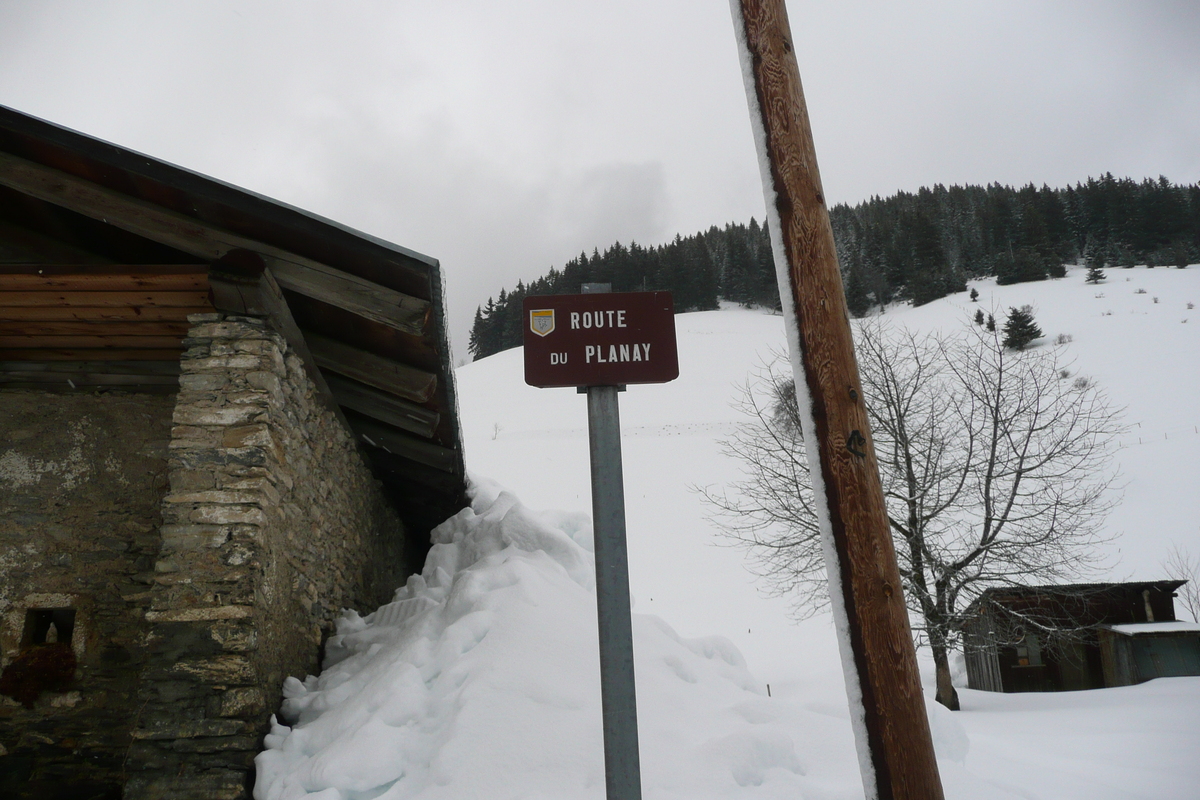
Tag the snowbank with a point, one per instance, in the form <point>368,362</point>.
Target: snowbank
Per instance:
<point>481,679</point>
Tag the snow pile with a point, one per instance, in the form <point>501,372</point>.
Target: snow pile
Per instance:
<point>481,679</point>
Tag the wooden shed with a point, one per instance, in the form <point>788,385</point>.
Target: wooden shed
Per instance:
<point>1140,651</point>
<point>222,421</point>
<point>1060,638</point>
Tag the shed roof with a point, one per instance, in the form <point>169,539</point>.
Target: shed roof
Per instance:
<point>105,251</point>
<point>1145,628</point>
<point>1000,594</point>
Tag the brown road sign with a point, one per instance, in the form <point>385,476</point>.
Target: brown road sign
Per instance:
<point>600,339</point>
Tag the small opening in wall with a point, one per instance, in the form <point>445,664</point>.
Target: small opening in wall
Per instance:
<point>46,662</point>
<point>48,626</point>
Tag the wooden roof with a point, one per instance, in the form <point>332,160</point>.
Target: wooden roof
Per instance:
<point>1006,594</point>
<point>1075,605</point>
<point>104,252</point>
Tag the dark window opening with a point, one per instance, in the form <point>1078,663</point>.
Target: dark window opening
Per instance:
<point>48,625</point>
<point>46,662</point>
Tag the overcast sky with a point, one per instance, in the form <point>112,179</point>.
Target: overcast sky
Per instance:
<point>505,137</point>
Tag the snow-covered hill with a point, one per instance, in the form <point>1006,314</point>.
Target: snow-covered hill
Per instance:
<point>481,679</point>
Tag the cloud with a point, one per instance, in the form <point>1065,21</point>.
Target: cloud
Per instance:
<point>503,138</point>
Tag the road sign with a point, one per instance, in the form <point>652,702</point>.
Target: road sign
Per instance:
<point>600,339</point>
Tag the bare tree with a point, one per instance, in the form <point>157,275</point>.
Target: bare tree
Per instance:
<point>996,469</point>
<point>1180,564</point>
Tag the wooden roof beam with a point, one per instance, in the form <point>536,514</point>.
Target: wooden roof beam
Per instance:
<point>401,444</point>
<point>242,284</point>
<point>293,272</point>
<point>399,379</point>
<point>384,407</point>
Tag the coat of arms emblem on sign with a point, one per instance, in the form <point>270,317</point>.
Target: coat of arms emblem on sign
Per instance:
<point>541,321</point>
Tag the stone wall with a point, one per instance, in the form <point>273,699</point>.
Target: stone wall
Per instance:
<point>82,476</point>
<point>272,524</point>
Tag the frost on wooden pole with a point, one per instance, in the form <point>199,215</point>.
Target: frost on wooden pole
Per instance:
<point>887,708</point>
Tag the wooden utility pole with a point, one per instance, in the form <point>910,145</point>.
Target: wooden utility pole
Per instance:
<point>895,748</point>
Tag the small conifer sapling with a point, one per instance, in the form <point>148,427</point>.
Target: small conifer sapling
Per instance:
<point>1020,328</point>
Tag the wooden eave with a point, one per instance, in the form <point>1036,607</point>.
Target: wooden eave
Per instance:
<point>105,252</point>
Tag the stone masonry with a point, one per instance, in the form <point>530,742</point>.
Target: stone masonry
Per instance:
<point>205,542</point>
<point>272,524</point>
<point>82,476</point>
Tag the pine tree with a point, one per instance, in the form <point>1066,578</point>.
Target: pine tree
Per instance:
<point>1179,253</point>
<point>858,300</point>
<point>1023,266</point>
<point>475,346</point>
<point>931,276</point>
<point>1094,275</point>
<point>974,295</point>
<point>918,246</point>
<point>1020,328</point>
<point>979,317</point>
<point>991,324</point>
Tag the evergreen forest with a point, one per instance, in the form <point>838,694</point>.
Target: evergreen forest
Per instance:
<point>907,247</point>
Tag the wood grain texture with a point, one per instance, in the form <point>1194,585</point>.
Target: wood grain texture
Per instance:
<point>43,380</point>
<point>91,341</point>
<point>898,737</point>
<point>169,368</point>
<point>92,328</point>
<point>401,444</point>
<point>366,299</point>
<point>153,299</point>
<point>384,407</point>
<point>91,354</point>
<point>102,314</point>
<point>391,376</point>
<point>322,318</point>
<point>91,279</point>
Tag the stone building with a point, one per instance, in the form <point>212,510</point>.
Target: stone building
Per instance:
<point>222,420</point>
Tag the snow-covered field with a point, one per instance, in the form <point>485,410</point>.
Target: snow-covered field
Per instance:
<point>481,680</point>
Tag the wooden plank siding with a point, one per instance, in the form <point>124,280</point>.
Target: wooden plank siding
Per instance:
<point>134,299</point>
<point>96,314</point>
<point>102,314</point>
<point>92,327</point>
<point>90,354</point>
<point>84,278</point>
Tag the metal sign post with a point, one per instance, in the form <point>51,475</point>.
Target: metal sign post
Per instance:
<point>618,698</point>
<point>601,341</point>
